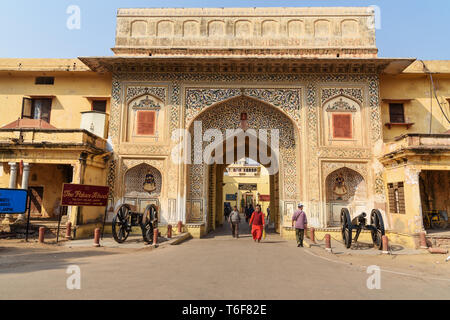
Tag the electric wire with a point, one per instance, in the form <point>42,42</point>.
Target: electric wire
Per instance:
<point>434,90</point>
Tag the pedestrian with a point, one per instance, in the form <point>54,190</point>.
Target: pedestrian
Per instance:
<point>246,210</point>
<point>235,220</point>
<point>227,210</point>
<point>249,212</point>
<point>257,223</point>
<point>300,224</point>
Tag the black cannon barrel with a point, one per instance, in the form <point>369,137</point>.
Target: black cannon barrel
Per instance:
<point>359,220</point>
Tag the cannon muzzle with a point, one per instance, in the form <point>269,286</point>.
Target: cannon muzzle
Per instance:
<point>359,220</point>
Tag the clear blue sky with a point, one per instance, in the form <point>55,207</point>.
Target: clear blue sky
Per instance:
<point>37,28</point>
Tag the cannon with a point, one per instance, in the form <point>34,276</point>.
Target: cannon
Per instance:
<point>124,219</point>
<point>359,223</point>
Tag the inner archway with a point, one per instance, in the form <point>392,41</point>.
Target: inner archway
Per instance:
<point>204,199</point>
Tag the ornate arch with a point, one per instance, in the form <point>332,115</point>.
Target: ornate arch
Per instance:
<point>198,100</point>
<point>134,179</point>
<point>355,94</point>
<point>159,93</point>
<point>354,183</point>
<point>329,167</point>
<point>261,116</point>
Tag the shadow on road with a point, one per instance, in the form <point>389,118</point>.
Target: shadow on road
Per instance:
<point>24,260</point>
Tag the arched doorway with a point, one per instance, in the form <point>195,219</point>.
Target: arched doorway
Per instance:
<point>345,188</point>
<point>204,197</point>
<point>142,185</point>
<point>243,183</point>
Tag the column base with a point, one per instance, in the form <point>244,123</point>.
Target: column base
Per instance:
<point>9,219</point>
<point>21,219</point>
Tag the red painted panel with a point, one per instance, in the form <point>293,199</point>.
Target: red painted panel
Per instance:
<point>146,123</point>
<point>342,126</point>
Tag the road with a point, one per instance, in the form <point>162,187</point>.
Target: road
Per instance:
<point>217,267</point>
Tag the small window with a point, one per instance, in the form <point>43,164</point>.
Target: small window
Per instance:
<point>396,197</point>
<point>396,113</point>
<point>36,109</point>
<point>45,80</point>
<point>99,105</point>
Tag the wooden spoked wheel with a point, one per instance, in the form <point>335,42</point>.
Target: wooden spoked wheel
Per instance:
<point>121,223</point>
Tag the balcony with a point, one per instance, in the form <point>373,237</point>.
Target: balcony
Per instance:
<point>417,144</point>
<point>30,138</point>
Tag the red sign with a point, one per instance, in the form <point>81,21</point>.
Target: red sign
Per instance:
<point>264,197</point>
<point>83,195</point>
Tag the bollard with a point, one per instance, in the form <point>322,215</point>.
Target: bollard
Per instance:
<point>385,241</point>
<point>180,226</point>
<point>423,240</point>
<point>328,242</point>
<point>97,238</point>
<point>69,230</point>
<point>41,234</point>
<point>155,236</point>
<point>311,235</point>
<point>438,250</point>
<point>169,231</point>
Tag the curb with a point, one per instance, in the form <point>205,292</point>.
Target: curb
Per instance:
<point>181,239</point>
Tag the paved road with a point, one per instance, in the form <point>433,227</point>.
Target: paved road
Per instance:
<point>218,267</point>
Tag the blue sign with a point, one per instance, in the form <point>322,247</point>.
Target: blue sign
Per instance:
<point>13,201</point>
<point>231,197</point>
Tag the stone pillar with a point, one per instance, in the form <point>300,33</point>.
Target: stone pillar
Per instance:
<point>12,184</point>
<point>25,179</point>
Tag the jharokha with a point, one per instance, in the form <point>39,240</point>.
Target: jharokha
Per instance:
<point>355,130</point>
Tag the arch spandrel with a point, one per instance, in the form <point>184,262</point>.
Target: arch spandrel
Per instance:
<point>288,100</point>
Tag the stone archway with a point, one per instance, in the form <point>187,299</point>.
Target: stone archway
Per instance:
<point>261,115</point>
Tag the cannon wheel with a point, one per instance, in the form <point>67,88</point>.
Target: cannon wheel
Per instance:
<point>149,222</point>
<point>377,222</point>
<point>346,227</point>
<point>438,221</point>
<point>121,223</point>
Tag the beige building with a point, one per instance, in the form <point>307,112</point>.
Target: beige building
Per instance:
<point>246,182</point>
<point>313,74</point>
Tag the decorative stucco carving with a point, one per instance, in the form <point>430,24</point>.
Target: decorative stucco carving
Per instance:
<point>136,91</point>
<point>288,100</point>
<point>341,106</point>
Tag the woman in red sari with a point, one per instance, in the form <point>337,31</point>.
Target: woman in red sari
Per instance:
<point>257,223</point>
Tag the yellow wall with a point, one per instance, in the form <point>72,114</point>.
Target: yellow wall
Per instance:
<point>232,184</point>
<point>414,86</point>
<point>74,89</point>
<point>70,90</point>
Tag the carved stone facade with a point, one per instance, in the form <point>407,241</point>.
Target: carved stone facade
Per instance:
<point>296,95</point>
<point>280,31</point>
<point>298,98</point>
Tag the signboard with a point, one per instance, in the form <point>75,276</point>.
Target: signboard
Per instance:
<point>248,186</point>
<point>13,201</point>
<point>84,195</point>
<point>264,197</point>
<point>231,197</point>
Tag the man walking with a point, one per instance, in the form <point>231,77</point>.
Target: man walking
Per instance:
<point>300,224</point>
<point>235,220</point>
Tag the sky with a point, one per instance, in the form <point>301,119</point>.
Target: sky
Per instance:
<point>38,28</point>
